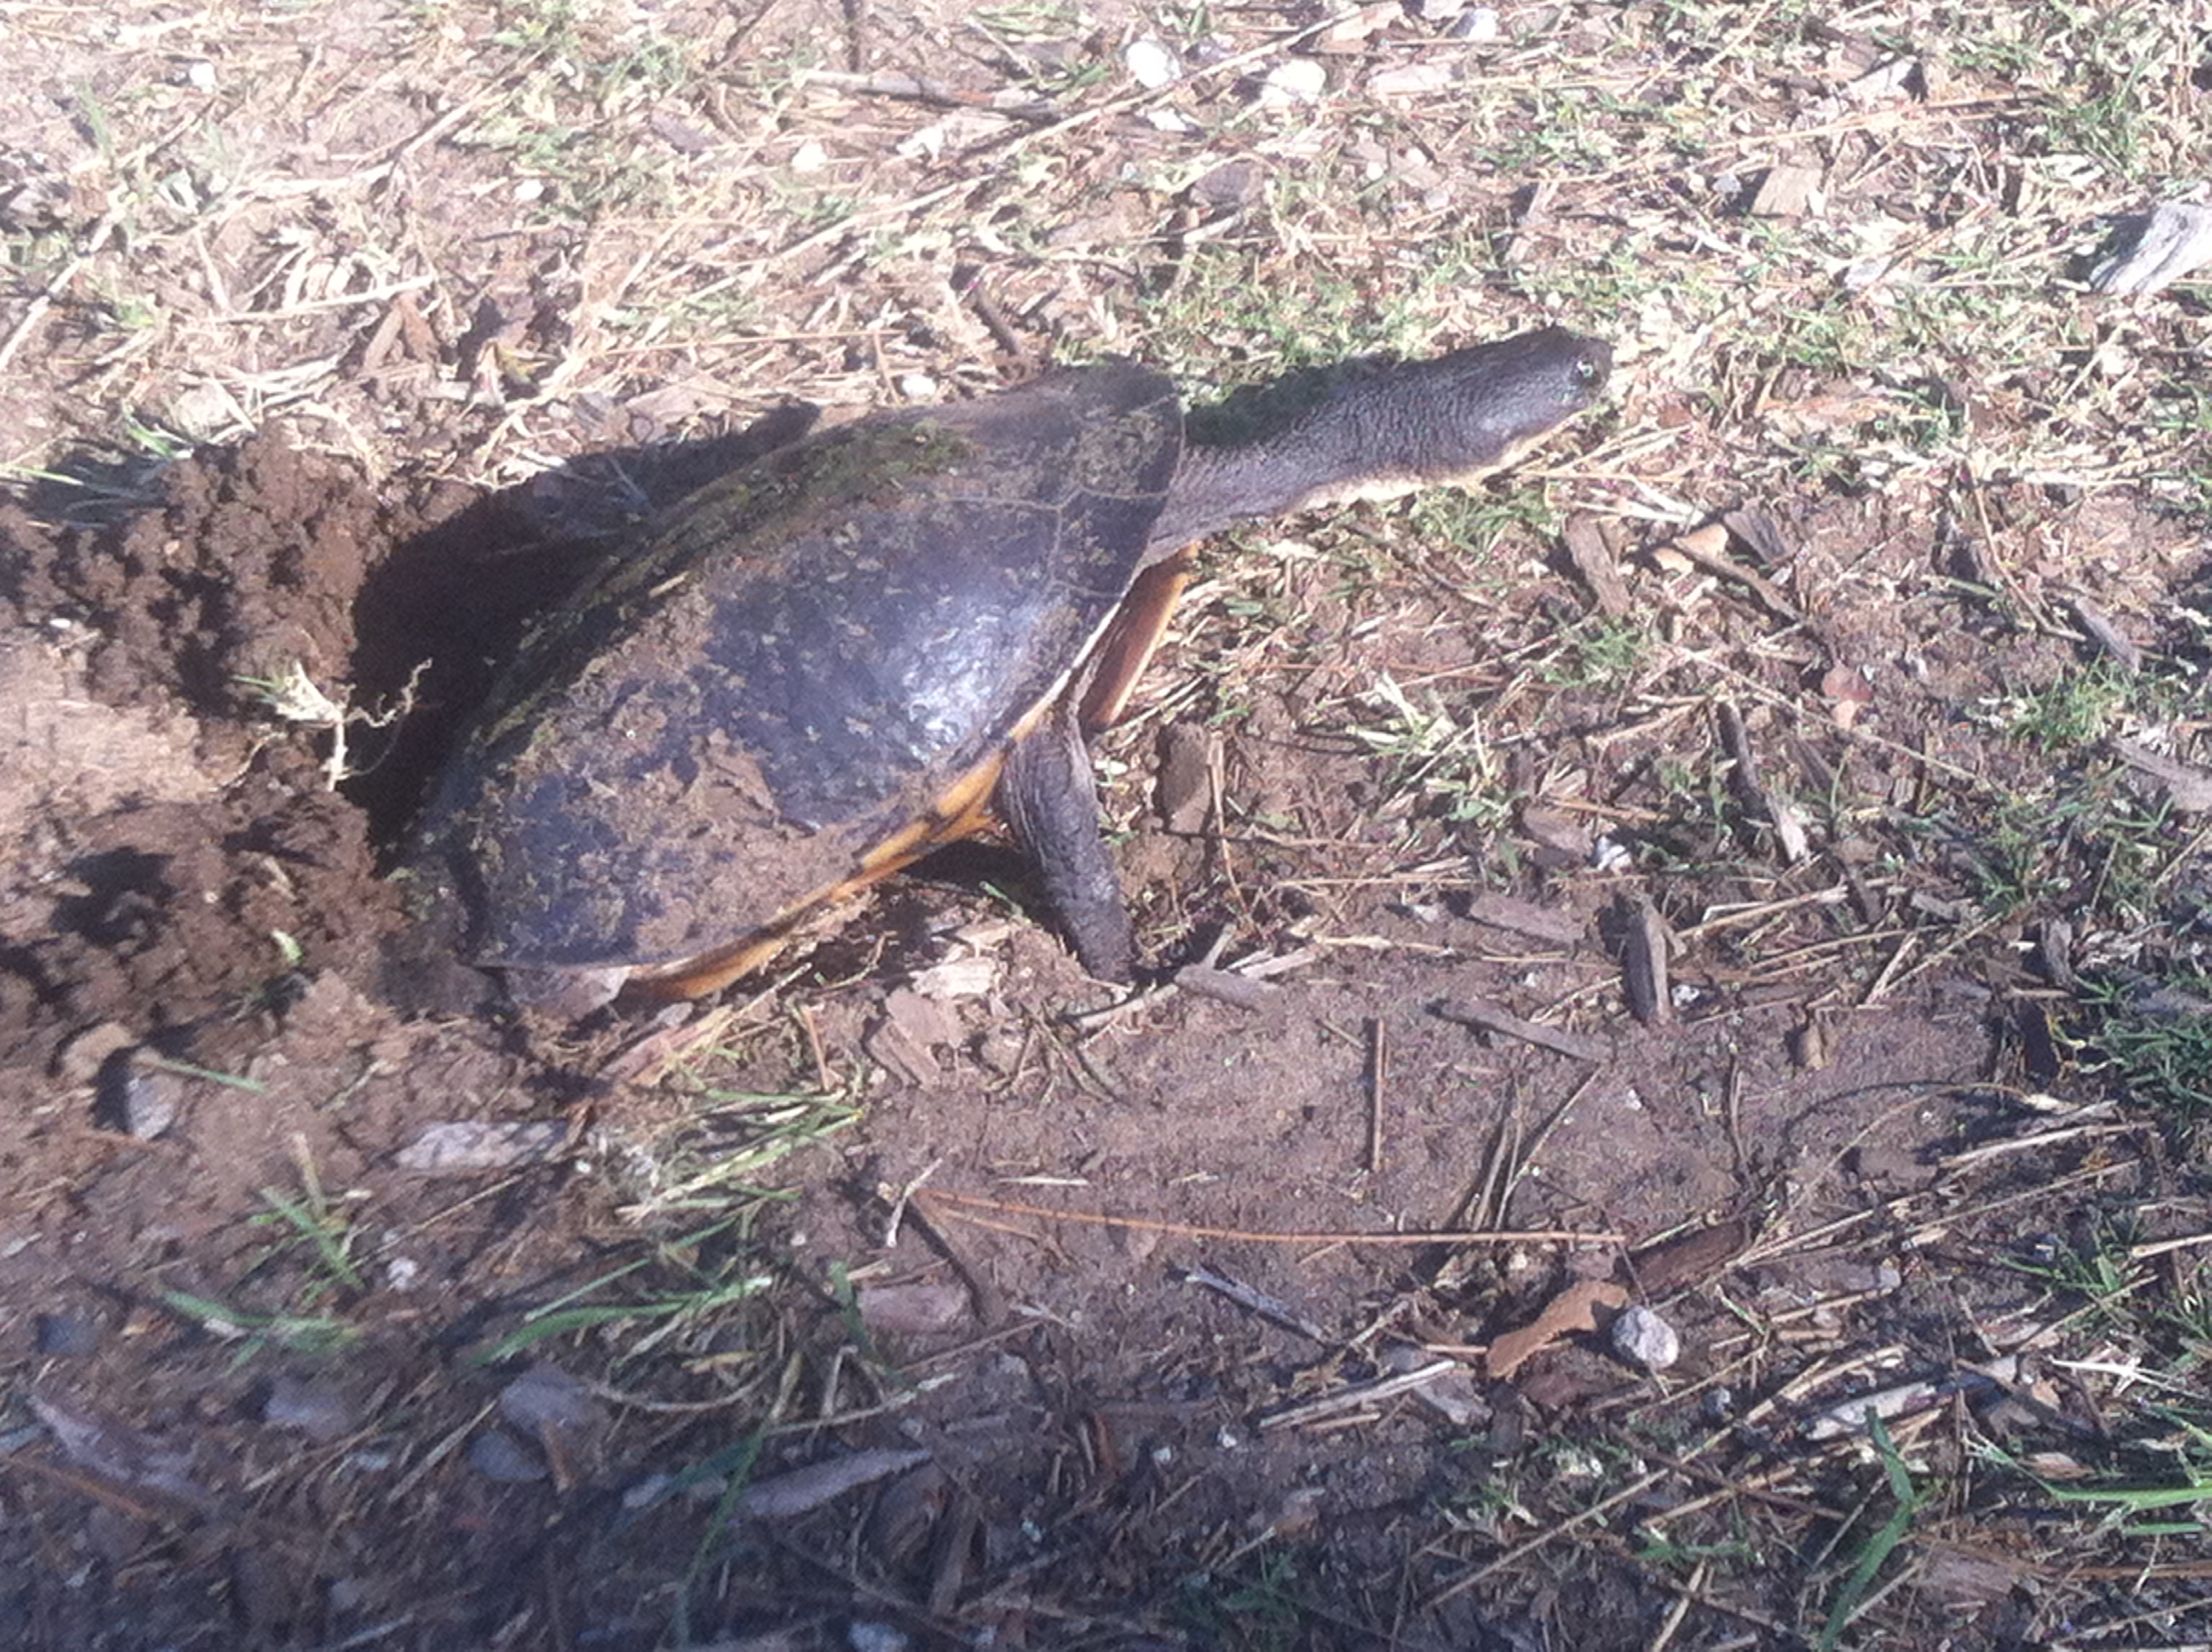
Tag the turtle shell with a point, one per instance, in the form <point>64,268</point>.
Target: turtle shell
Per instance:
<point>807,675</point>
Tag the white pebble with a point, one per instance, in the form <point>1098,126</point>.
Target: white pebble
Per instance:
<point>1645,1340</point>
<point>1152,62</point>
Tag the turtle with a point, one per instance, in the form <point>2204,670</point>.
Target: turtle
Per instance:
<point>891,636</point>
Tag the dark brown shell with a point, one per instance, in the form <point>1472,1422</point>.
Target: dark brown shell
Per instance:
<point>809,660</point>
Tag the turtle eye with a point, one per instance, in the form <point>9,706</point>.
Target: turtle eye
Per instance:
<point>1585,369</point>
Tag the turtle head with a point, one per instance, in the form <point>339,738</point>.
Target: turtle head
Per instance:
<point>1451,420</point>
<point>1476,410</point>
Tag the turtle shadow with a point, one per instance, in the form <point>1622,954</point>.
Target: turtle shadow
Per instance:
<point>444,609</point>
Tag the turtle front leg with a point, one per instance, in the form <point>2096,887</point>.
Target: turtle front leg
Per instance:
<point>1048,799</point>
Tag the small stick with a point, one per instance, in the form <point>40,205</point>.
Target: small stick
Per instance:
<point>1489,1018</point>
<point>955,1204</point>
<point>1274,1309</point>
<point>36,310</point>
<point>814,1048</point>
<point>1377,1071</point>
<point>1358,1394</point>
<point>989,1301</point>
<point>1228,987</point>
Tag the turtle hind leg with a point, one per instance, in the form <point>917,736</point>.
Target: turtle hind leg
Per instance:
<point>1049,799</point>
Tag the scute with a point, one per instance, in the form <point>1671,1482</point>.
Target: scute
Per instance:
<point>799,662</point>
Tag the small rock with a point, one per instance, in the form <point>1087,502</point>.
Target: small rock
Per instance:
<point>911,1309</point>
<point>1184,793</point>
<point>316,1409</point>
<point>1609,854</point>
<point>1477,23</point>
<point>546,1398</point>
<point>809,157</point>
<point>865,1636</point>
<point>1644,1341</point>
<point>1152,62</point>
<point>199,74</point>
<point>917,386</point>
<point>498,1455</point>
<point>562,1418</point>
<point>138,1099</point>
<point>66,1336</point>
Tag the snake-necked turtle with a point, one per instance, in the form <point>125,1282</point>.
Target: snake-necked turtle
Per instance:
<point>888,636</point>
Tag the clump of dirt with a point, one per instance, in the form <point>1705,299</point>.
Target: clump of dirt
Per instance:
<point>184,854</point>
<point>249,566</point>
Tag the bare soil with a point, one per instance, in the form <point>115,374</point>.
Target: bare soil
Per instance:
<point>183,881</point>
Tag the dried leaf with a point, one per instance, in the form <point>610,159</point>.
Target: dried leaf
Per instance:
<point>1572,1311</point>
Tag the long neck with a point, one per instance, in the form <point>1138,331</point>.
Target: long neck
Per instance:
<point>1369,430</point>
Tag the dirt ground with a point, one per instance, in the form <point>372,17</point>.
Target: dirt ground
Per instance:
<point>272,1379</point>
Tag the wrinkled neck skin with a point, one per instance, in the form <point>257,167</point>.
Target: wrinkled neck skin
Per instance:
<point>1374,430</point>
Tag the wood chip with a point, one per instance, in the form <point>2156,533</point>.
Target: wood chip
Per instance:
<point>1526,918</point>
<point>1760,532</point>
<point>2151,254</point>
<point>1812,1043</point>
<point>1351,32</point>
<point>2106,635</point>
<point>2188,788</point>
<point>1706,547</point>
<point>1356,1396</point>
<point>786,1496</point>
<point>1688,1258</point>
<point>1492,1018</point>
<point>470,1147</point>
<point>1274,1309</point>
<point>1591,552</point>
<point>1189,756</point>
<point>1644,967</point>
<point>1414,80</point>
<point>1790,192</point>
<point>1562,833</point>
